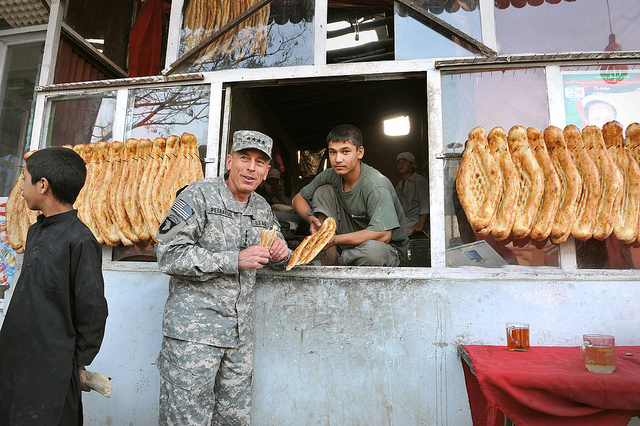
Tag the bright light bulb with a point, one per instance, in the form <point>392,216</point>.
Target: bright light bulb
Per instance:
<point>398,126</point>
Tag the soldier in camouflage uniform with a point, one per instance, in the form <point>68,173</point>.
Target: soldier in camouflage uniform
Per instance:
<point>208,243</point>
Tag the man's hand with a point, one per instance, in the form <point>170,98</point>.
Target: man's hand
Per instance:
<point>314,224</point>
<point>254,257</point>
<point>279,250</point>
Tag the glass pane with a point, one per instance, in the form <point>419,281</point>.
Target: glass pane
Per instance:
<point>593,96</point>
<point>21,68</point>
<point>279,34</point>
<point>489,99</point>
<point>567,26</point>
<point>600,94</point>
<point>162,112</point>
<point>104,24</point>
<point>492,98</point>
<point>86,119</point>
<point>415,40</point>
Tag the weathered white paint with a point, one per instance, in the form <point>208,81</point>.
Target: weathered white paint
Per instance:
<point>374,346</point>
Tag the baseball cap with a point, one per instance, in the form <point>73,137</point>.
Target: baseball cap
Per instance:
<point>406,156</point>
<point>247,139</point>
<point>273,173</point>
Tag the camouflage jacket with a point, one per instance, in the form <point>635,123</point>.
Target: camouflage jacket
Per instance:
<point>210,300</point>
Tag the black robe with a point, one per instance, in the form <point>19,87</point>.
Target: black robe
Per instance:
<point>55,321</point>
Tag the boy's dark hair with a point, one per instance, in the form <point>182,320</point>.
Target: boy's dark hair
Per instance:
<point>62,167</point>
<point>345,133</point>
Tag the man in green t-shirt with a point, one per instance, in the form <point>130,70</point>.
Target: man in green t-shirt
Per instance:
<point>371,227</point>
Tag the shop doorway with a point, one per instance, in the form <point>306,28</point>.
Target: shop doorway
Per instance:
<point>299,115</point>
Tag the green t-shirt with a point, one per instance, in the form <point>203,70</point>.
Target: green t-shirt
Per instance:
<point>372,203</point>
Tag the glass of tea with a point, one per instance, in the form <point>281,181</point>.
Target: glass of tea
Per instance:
<point>599,353</point>
<point>517,336</point>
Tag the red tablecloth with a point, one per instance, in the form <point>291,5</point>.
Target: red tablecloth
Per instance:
<point>550,385</point>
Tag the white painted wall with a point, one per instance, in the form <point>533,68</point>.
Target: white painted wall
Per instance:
<point>371,346</point>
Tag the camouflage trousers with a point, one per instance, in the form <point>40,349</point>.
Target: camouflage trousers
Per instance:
<point>203,384</point>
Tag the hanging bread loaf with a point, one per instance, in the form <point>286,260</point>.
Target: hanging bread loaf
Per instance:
<point>479,183</point>
<point>584,222</point>
<point>18,216</point>
<point>121,193</point>
<point>625,217</point>
<point>178,167</point>
<point>312,244</point>
<point>497,140</point>
<point>146,185</point>
<point>610,181</point>
<point>164,174</point>
<point>570,184</point>
<point>102,216</point>
<point>118,214</point>
<point>531,181</point>
<point>544,220</point>
<point>632,144</point>
<point>134,205</point>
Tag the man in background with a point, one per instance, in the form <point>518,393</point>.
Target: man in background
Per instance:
<point>413,193</point>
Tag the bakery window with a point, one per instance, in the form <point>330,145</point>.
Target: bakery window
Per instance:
<point>596,96</point>
<point>567,26</point>
<point>221,34</point>
<point>161,112</point>
<point>80,119</point>
<point>489,99</point>
<point>19,76</point>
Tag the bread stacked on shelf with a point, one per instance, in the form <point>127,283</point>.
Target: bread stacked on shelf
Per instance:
<point>128,190</point>
<point>570,182</point>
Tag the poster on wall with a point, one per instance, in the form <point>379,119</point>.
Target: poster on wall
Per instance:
<point>596,97</point>
<point>7,254</point>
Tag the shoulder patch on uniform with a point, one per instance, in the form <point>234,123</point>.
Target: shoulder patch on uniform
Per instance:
<point>167,224</point>
<point>183,209</point>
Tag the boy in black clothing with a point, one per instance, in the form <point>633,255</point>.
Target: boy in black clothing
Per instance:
<point>56,319</point>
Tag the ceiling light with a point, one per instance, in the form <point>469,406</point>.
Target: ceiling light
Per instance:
<point>398,126</point>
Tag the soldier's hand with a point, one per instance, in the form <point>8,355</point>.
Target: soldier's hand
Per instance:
<point>279,250</point>
<point>254,257</point>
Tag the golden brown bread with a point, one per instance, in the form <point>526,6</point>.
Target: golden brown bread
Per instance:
<point>531,181</point>
<point>179,167</point>
<point>171,153</point>
<point>312,244</point>
<point>13,211</point>
<point>103,185</point>
<point>610,181</point>
<point>479,183</point>
<point>267,238</point>
<point>544,220</point>
<point>117,211</point>
<point>584,223</point>
<point>570,184</point>
<point>123,191</point>
<point>497,140</point>
<point>632,143</point>
<point>146,188</point>
<point>625,217</point>
<point>134,206</point>
<point>195,167</point>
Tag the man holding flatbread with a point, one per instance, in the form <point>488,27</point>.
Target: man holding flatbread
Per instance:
<point>371,227</point>
<point>209,244</point>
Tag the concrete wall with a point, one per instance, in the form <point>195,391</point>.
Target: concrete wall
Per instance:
<point>370,346</point>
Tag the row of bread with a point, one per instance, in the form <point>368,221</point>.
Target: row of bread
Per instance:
<point>247,38</point>
<point>552,184</point>
<point>129,188</point>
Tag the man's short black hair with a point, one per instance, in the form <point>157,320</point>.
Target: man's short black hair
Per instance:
<point>345,133</point>
<point>63,168</point>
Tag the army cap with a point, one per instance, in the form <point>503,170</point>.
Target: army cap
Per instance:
<point>247,139</point>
